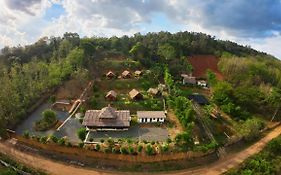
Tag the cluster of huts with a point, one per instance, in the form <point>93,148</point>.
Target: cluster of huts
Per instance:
<point>191,80</point>
<point>125,74</point>
<point>108,118</point>
<point>133,94</point>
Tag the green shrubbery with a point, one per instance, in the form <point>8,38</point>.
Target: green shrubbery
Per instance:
<point>149,150</point>
<point>81,133</point>
<point>266,162</point>
<point>48,120</point>
<point>250,129</point>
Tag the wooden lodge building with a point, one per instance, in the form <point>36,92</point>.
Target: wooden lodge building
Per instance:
<point>110,75</point>
<point>126,74</point>
<point>135,95</point>
<point>107,118</point>
<point>111,95</point>
<point>188,79</point>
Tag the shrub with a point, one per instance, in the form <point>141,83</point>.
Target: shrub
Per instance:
<point>250,129</point>
<point>61,141</point>
<point>101,140</point>
<point>52,99</point>
<point>26,134</point>
<point>81,144</point>
<point>140,147</point>
<point>144,141</point>
<point>110,142</point>
<point>49,118</point>
<point>108,150</point>
<point>169,140</point>
<point>165,148</point>
<point>153,143</point>
<point>149,150</point>
<point>97,147</point>
<point>81,133</point>
<point>91,139</point>
<point>82,109</point>
<point>275,145</point>
<point>43,139</point>
<point>116,150</point>
<point>129,141</point>
<point>54,138</point>
<point>131,150</point>
<point>93,103</point>
<point>124,150</point>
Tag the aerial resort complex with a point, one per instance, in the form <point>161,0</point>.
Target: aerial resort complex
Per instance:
<point>143,103</point>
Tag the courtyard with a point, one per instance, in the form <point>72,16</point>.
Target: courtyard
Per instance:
<point>134,133</point>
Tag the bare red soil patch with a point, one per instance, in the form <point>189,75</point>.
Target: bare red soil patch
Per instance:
<point>201,63</point>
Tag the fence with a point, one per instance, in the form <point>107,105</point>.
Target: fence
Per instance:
<point>73,151</point>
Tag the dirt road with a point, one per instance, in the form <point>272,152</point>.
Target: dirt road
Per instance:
<point>218,167</point>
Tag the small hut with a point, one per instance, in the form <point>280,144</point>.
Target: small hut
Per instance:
<point>126,74</point>
<point>138,73</point>
<point>188,79</point>
<point>111,95</point>
<point>135,95</point>
<point>153,91</point>
<point>110,75</point>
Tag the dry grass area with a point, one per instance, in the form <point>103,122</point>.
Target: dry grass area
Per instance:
<point>71,89</point>
<point>177,127</point>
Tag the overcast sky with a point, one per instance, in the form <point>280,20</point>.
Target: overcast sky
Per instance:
<point>249,22</point>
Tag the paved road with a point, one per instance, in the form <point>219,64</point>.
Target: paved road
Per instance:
<point>218,167</point>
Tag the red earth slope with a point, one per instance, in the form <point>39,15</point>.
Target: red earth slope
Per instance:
<point>201,63</point>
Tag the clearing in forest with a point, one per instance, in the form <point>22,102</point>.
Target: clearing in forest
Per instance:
<point>201,63</point>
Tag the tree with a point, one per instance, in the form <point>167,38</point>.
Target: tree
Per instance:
<point>211,77</point>
<point>250,129</point>
<point>81,133</point>
<point>168,78</point>
<point>167,51</point>
<point>48,120</point>
<point>138,51</point>
<point>184,140</point>
<point>49,116</point>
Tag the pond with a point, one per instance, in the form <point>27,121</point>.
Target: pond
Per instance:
<point>28,123</point>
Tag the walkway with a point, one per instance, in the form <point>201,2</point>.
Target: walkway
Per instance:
<point>218,167</point>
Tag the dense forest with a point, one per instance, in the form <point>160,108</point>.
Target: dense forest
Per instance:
<point>28,72</point>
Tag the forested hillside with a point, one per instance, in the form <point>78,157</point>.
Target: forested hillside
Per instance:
<point>27,72</point>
